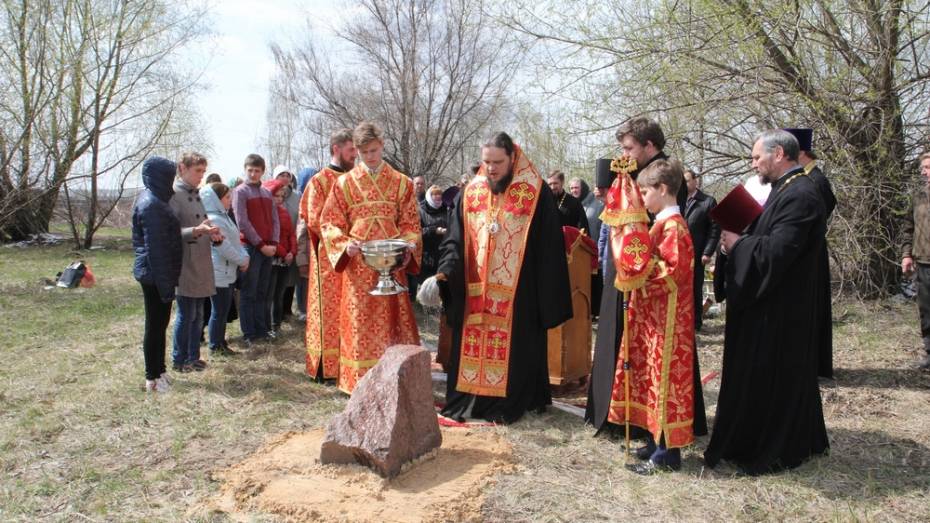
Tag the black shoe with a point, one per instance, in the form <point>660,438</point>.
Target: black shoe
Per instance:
<point>198,365</point>
<point>645,452</point>
<point>182,367</point>
<point>924,363</point>
<point>222,350</point>
<point>649,468</point>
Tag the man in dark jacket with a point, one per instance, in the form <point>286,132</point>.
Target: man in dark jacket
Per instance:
<point>705,234</point>
<point>156,240</point>
<point>916,253</point>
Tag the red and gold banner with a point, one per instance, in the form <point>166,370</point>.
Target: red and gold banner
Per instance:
<point>496,230</point>
<point>629,234</point>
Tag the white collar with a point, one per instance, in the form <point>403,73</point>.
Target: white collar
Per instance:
<point>371,171</point>
<point>667,212</point>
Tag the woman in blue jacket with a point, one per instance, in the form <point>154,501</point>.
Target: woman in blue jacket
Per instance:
<point>228,257</point>
<point>156,240</point>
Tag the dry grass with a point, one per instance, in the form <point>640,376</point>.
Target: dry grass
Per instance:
<point>80,440</point>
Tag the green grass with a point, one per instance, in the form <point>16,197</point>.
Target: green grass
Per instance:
<point>80,439</point>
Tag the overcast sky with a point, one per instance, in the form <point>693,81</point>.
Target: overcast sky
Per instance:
<point>237,75</point>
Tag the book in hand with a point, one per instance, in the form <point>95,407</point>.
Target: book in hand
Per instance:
<point>736,211</point>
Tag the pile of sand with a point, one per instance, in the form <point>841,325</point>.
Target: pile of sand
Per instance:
<point>285,478</point>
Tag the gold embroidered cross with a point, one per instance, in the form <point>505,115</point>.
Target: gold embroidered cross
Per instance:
<point>477,193</point>
<point>636,248</point>
<point>521,193</point>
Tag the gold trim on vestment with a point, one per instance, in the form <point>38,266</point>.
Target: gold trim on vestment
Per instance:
<point>357,364</point>
<point>487,333</point>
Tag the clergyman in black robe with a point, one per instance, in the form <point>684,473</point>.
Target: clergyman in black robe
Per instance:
<point>648,141</point>
<point>571,212</point>
<point>808,160</point>
<point>769,412</point>
<point>542,301</point>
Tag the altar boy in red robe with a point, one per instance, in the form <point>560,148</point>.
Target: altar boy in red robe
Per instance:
<point>660,342</point>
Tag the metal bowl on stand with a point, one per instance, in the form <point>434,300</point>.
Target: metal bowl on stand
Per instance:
<point>385,256</point>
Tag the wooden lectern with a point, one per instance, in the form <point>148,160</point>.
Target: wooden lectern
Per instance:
<point>570,343</point>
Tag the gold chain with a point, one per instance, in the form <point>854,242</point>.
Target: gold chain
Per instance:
<point>493,213</point>
<point>789,180</point>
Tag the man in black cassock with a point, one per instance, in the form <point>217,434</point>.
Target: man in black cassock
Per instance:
<point>808,160</point>
<point>641,139</point>
<point>769,412</point>
<point>705,234</point>
<point>571,212</point>
<point>506,183</point>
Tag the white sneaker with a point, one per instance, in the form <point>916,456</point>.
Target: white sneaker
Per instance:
<point>161,385</point>
<point>151,385</point>
<point>164,376</point>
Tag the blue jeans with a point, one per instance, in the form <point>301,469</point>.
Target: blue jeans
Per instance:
<point>301,294</point>
<point>188,325</point>
<point>221,302</point>
<point>254,315</point>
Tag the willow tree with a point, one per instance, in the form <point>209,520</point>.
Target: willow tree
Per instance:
<point>92,86</point>
<point>717,72</point>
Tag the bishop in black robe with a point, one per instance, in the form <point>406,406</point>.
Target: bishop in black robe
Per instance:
<point>769,412</point>
<point>543,301</point>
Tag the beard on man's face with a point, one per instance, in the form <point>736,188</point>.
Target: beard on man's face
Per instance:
<point>501,184</point>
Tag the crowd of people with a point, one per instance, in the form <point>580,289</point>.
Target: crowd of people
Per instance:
<point>200,243</point>
<point>493,247</point>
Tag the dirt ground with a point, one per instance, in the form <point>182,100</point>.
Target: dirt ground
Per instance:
<point>284,478</point>
<point>80,440</point>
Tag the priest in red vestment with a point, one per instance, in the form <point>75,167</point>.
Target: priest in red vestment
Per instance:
<point>504,281</point>
<point>371,202</point>
<point>653,386</point>
<point>324,284</point>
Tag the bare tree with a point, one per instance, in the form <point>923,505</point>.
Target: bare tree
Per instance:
<point>110,88</point>
<point>717,72</point>
<point>431,72</point>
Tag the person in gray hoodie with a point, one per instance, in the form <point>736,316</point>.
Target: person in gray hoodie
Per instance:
<point>196,281</point>
<point>229,257</point>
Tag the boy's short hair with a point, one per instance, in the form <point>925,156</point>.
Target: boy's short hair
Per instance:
<point>642,130</point>
<point>254,160</point>
<point>212,178</point>
<point>365,133</point>
<point>668,172</point>
<point>191,158</point>
<point>339,137</point>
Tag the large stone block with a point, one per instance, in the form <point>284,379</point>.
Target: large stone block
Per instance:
<point>390,418</point>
